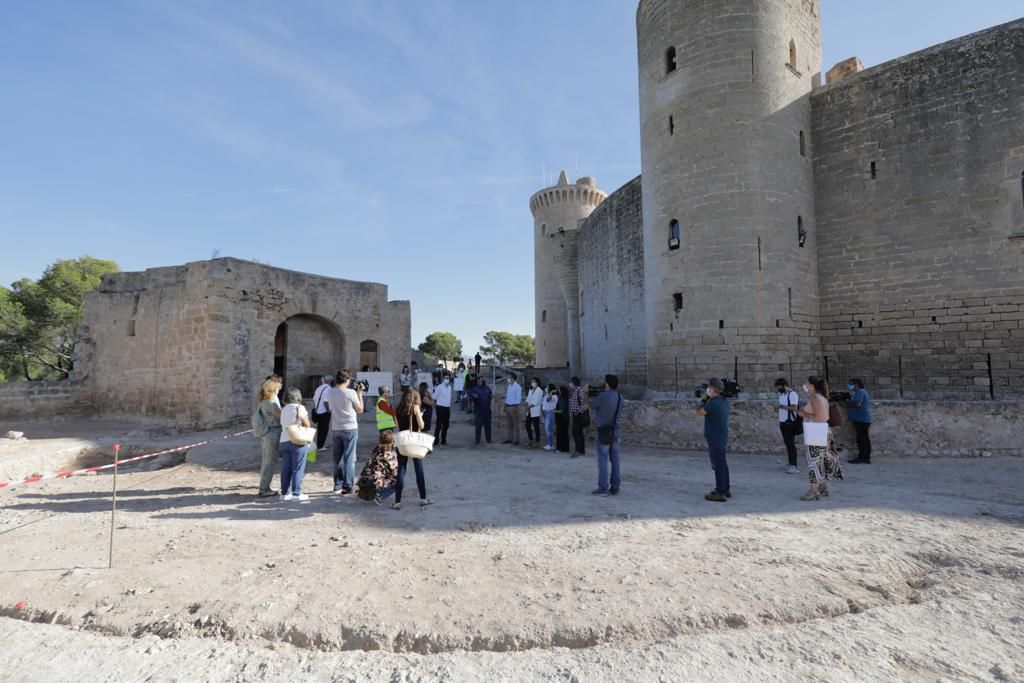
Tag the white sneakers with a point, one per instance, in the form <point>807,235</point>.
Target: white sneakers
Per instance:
<point>548,448</point>
<point>792,469</point>
<point>300,497</point>
<point>286,496</point>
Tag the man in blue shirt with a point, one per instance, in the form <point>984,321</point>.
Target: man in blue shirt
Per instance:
<point>606,408</point>
<point>859,413</point>
<point>715,409</point>
<point>482,410</point>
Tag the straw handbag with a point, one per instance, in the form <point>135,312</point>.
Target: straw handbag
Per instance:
<point>413,444</point>
<point>297,434</point>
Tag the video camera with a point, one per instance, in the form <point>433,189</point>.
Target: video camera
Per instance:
<point>594,391</point>
<point>839,396</point>
<point>730,389</point>
<point>358,384</point>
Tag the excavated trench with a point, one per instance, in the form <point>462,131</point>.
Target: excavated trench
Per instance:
<point>909,585</point>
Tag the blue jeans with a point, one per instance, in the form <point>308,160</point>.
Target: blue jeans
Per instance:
<point>343,450</point>
<point>604,454</point>
<point>293,466</point>
<point>549,428</point>
<point>716,452</point>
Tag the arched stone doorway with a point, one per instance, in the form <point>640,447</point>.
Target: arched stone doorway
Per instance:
<point>369,354</point>
<point>307,347</point>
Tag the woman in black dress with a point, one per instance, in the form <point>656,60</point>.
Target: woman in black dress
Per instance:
<point>562,421</point>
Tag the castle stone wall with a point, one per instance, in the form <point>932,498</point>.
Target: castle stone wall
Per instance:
<point>921,275</point>
<point>611,271</point>
<point>721,154</point>
<point>192,343</point>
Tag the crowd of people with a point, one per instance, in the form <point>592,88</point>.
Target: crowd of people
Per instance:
<point>548,413</point>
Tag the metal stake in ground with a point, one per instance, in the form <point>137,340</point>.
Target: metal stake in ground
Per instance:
<point>113,508</point>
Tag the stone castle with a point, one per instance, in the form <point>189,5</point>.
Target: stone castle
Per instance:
<point>192,343</point>
<point>869,225</point>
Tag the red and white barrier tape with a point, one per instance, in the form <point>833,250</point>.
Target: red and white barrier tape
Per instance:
<point>65,475</point>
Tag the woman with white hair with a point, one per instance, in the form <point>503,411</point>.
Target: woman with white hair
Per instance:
<point>293,455</point>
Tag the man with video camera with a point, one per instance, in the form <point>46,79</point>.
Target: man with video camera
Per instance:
<point>345,405</point>
<point>715,410</point>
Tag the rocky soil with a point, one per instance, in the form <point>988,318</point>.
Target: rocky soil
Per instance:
<point>911,570</point>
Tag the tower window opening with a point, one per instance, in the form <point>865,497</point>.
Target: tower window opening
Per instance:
<point>721,324</point>
<point>677,301</point>
<point>673,234</point>
<point>671,125</point>
<point>789,297</point>
<point>792,55</point>
<point>131,328</point>
<point>874,170</point>
<point>544,229</point>
<point>803,145</point>
<point>543,316</point>
<point>801,234</point>
<point>670,59</point>
<point>759,253</point>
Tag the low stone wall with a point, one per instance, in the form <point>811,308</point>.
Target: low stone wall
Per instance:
<point>40,399</point>
<point>900,428</point>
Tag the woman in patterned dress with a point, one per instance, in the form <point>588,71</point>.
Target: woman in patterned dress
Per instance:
<point>822,461</point>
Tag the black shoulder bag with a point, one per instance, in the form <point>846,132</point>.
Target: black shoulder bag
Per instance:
<point>796,418</point>
<point>606,434</point>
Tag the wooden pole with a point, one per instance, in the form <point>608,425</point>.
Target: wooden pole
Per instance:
<point>113,508</point>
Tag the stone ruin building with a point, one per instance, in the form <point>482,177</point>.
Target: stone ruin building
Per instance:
<point>192,343</point>
<point>868,224</point>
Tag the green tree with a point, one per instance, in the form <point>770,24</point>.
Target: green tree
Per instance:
<point>441,345</point>
<point>506,348</point>
<point>39,320</point>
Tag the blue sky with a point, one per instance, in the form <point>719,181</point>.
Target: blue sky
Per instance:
<point>392,141</point>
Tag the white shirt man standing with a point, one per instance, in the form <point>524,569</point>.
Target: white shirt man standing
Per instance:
<point>513,409</point>
<point>534,399</point>
<point>443,406</point>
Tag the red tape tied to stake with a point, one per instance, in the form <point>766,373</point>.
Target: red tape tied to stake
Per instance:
<point>118,463</point>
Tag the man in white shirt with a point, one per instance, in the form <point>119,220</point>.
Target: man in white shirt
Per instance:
<point>534,399</point>
<point>321,414</point>
<point>345,406</point>
<point>443,406</point>
<point>513,409</point>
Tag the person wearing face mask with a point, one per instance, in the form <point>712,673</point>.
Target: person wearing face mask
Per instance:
<point>822,462</point>
<point>443,407</point>
<point>534,399</point>
<point>789,421</point>
<point>715,410</point>
<point>859,413</point>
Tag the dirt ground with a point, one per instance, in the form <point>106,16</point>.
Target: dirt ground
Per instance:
<point>912,570</point>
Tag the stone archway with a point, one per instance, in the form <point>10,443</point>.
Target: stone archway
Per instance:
<point>307,347</point>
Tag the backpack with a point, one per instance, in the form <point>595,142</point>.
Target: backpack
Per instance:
<point>259,424</point>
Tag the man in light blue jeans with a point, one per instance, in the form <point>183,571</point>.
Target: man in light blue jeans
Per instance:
<point>345,405</point>
<point>606,408</point>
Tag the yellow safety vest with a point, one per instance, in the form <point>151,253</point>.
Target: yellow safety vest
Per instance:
<point>384,421</point>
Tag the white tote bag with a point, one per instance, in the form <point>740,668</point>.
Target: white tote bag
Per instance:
<point>296,433</point>
<point>815,433</point>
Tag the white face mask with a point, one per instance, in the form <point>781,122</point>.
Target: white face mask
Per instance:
<point>446,382</point>
<point>804,387</point>
<point>533,384</point>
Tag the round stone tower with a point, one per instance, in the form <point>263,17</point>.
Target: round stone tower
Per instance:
<point>557,212</point>
<point>728,206</point>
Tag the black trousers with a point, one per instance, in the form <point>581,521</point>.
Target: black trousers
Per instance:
<point>428,415</point>
<point>562,433</point>
<point>483,422</point>
<point>863,440</point>
<point>444,417</point>
<point>577,434</point>
<point>533,428</point>
<point>323,427</point>
<point>788,430</point>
